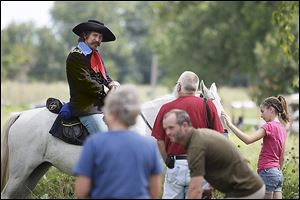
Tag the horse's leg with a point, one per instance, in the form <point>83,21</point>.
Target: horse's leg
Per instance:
<point>15,188</point>
<point>24,160</point>
<point>36,175</point>
<point>11,189</point>
<point>19,186</point>
<point>23,177</point>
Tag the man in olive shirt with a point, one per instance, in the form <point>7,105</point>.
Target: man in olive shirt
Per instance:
<point>213,157</point>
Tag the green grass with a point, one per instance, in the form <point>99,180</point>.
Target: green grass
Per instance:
<point>15,93</point>
<point>55,184</point>
<point>7,110</point>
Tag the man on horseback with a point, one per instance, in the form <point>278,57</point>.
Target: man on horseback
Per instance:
<point>87,77</point>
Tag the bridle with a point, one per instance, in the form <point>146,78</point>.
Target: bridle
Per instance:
<point>146,121</point>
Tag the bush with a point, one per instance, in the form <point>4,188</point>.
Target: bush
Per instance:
<point>54,185</point>
<point>291,171</point>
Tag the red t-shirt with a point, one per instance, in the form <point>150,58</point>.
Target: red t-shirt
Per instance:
<point>195,107</point>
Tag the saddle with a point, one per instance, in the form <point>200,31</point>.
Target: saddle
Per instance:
<point>69,130</point>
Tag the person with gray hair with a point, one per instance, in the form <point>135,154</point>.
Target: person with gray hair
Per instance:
<point>124,104</point>
<point>187,83</point>
<point>213,157</point>
<point>119,163</point>
<point>177,176</point>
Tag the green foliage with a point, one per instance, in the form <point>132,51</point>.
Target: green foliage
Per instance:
<point>231,43</point>
<point>291,169</point>
<point>212,39</point>
<point>276,72</point>
<point>17,51</point>
<point>50,58</point>
<point>54,185</point>
<point>286,18</point>
<point>218,195</point>
<point>30,53</point>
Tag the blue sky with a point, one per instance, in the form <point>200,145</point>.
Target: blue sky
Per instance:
<point>24,11</point>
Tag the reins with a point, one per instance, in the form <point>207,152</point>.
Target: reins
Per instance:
<point>146,121</point>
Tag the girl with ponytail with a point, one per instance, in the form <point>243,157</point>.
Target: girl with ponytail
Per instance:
<point>270,163</point>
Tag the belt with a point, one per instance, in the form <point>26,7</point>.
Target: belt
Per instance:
<point>181,157</point>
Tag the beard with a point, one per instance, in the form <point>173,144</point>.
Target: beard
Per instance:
<point>175,138</point>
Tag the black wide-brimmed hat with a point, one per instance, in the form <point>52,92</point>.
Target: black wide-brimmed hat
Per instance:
<point>93,25</point>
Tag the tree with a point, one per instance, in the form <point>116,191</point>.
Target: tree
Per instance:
<point>50,57</point>
<point>278,55</point>
<point>214,39</point>
<point>275,72</point>
<point>17,51</point>
<point>286,18</point>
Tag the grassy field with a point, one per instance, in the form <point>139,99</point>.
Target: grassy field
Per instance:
<point>56,185</point>
<point>17,97</point>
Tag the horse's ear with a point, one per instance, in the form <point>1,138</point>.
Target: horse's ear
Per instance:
<point>203,88</point>
<point>213,87</point>
<point>213,91</point>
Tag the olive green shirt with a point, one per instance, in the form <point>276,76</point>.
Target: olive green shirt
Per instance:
<point>214,157</point>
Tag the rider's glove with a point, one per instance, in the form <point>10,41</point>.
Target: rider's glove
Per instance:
<point>113,85</point>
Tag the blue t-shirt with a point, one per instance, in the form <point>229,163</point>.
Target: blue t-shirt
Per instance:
<point>119,164</point>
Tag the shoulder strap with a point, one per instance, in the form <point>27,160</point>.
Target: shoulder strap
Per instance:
<point>207,113</point>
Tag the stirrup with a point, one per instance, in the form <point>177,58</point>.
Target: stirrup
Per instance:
<point>54,105</point>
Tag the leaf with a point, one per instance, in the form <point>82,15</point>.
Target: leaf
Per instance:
<point>291,37</point>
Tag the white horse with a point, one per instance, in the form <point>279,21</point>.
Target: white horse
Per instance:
<point>212,93</point>
<point>28,150</point>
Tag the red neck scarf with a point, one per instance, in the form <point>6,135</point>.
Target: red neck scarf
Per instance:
<point>96,63</point>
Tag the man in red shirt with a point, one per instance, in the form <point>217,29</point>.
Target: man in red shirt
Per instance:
<point>177,176</point>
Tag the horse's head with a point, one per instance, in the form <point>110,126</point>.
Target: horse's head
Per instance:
<point>212,93</point>
<point>216,98</point>
<point>203,89</point>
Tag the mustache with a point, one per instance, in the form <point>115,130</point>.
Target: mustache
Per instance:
<point>97,43</point>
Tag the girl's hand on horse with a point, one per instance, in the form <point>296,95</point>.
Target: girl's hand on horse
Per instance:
<point>226,118</point>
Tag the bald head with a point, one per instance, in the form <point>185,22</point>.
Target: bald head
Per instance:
<point>189,82</point>
<point>179,116</point>
<point>176,124</point>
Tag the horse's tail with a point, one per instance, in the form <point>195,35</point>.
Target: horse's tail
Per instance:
<point>4,149</point>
